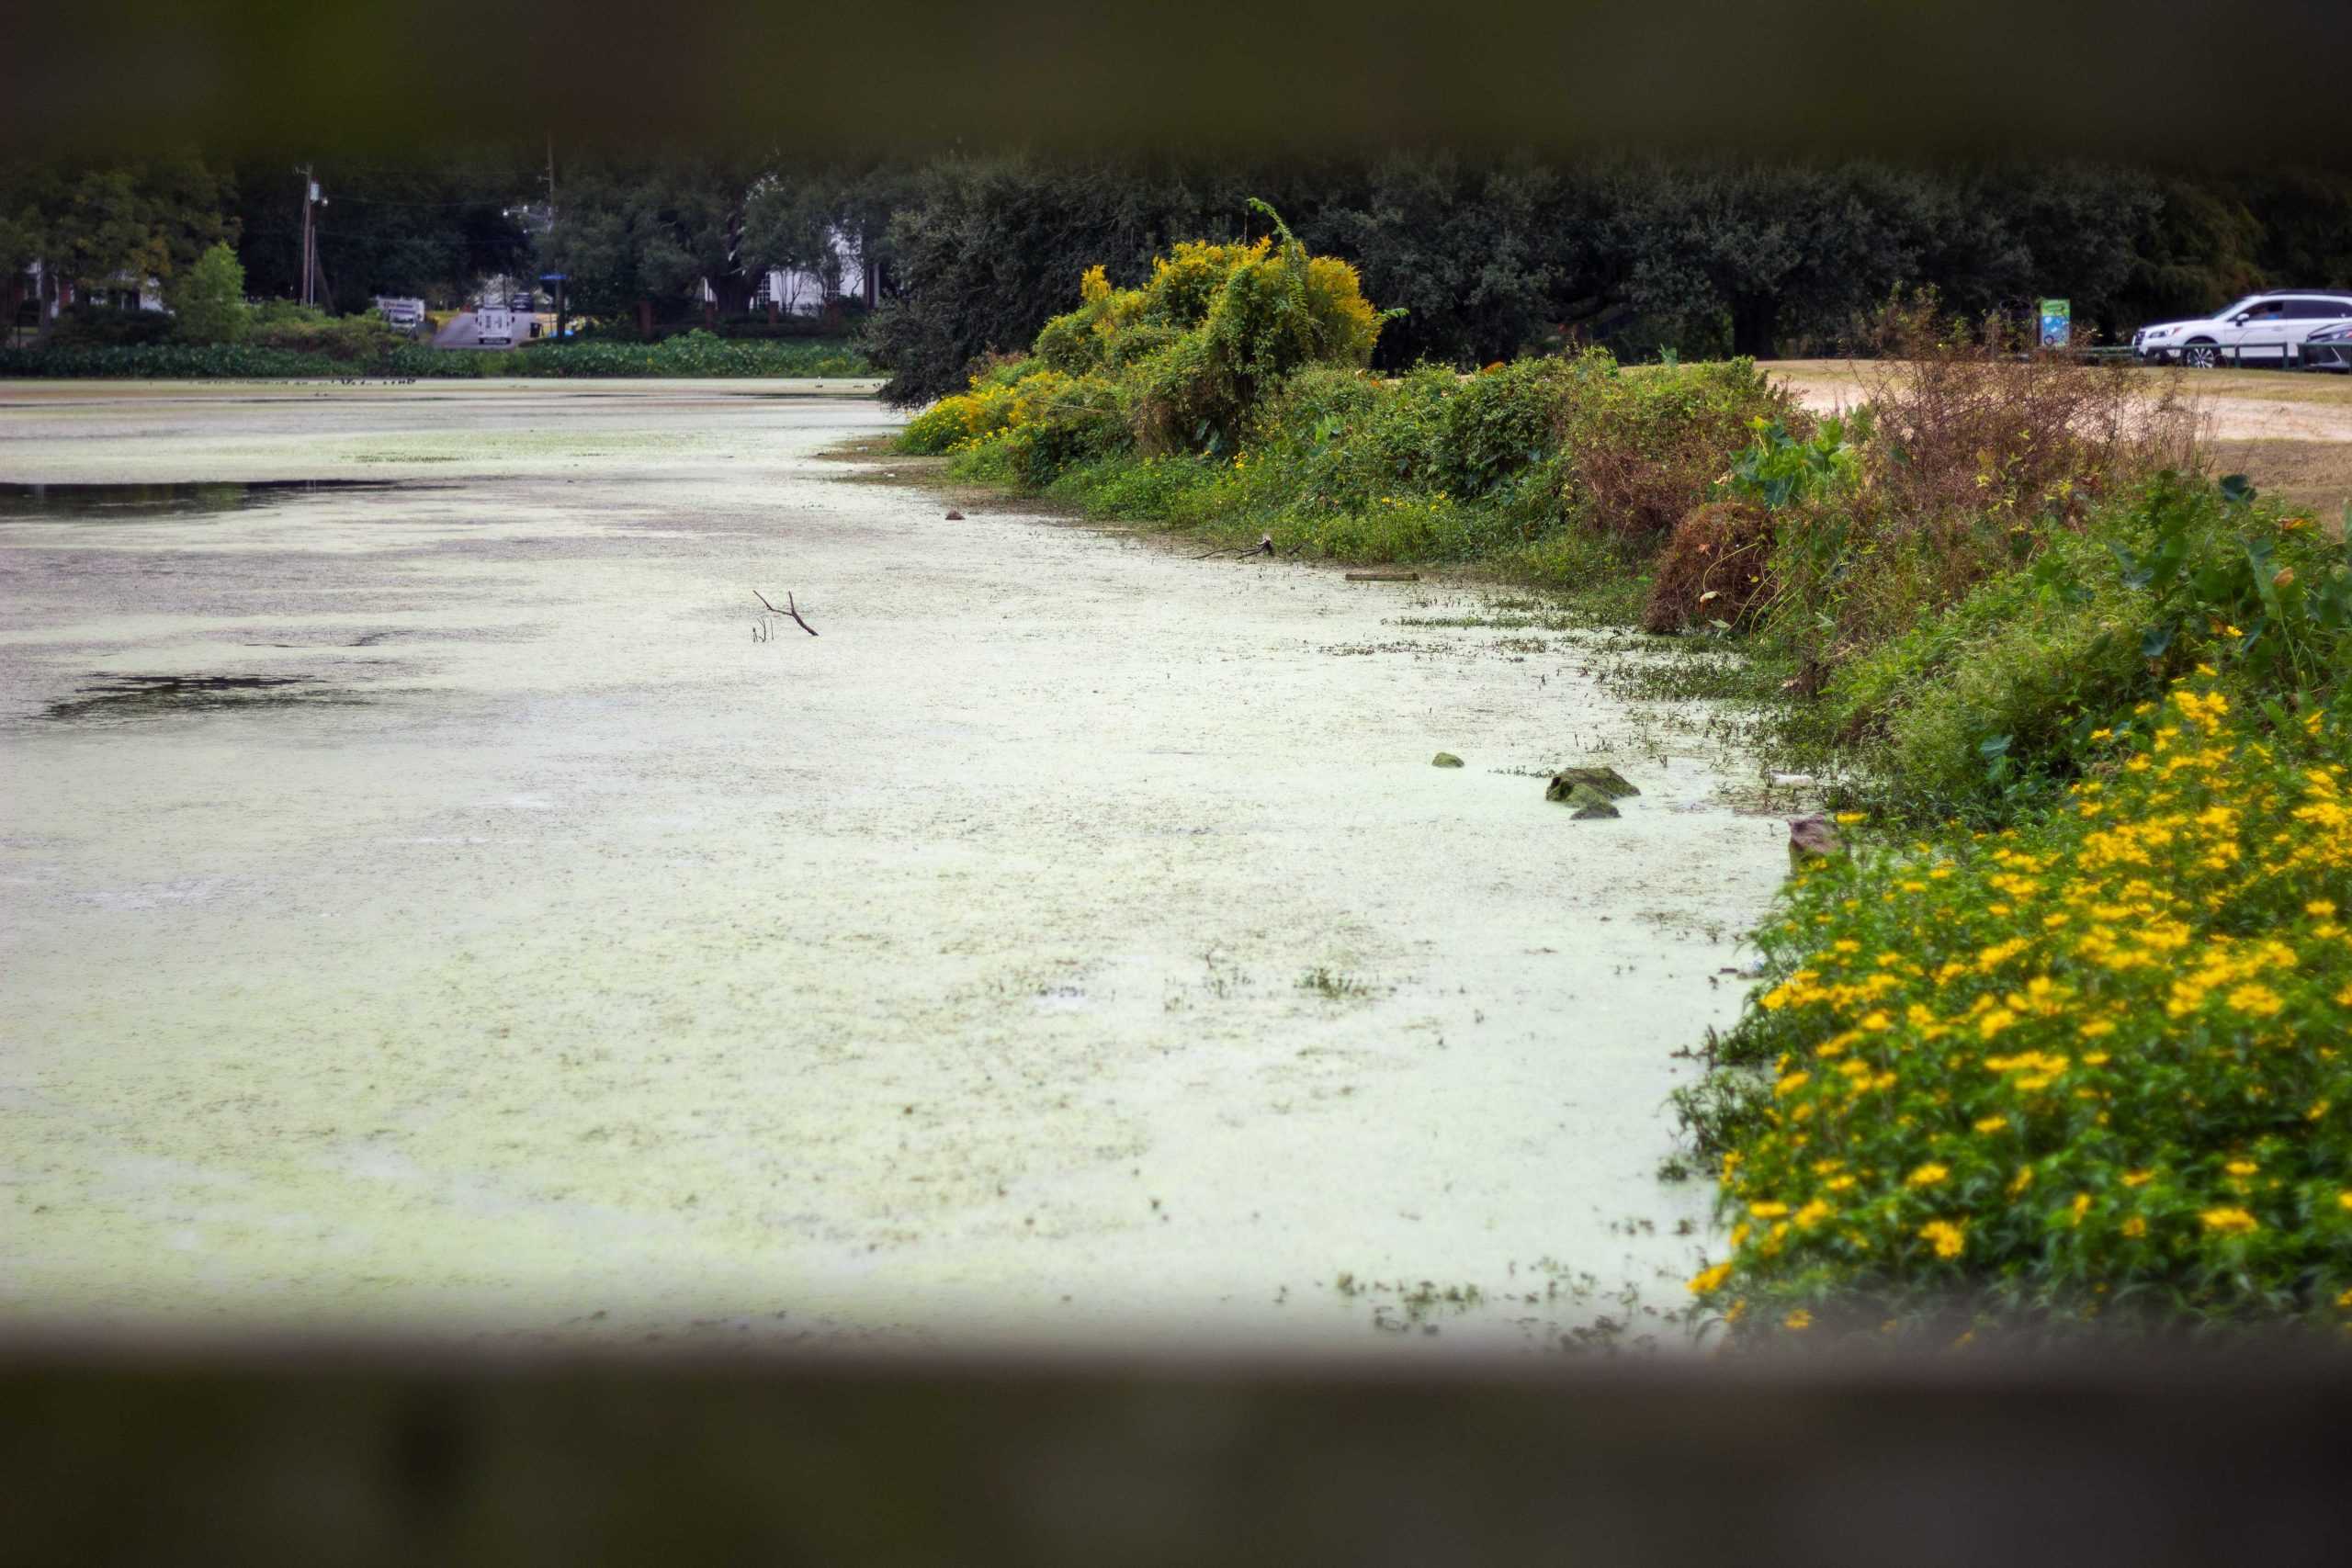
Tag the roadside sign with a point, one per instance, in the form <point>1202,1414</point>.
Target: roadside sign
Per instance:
<point>2057,323</point>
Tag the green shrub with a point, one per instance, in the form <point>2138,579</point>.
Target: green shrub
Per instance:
<point>1501,422</point>
<point>1274,309</point>
<point>1179,489</point>
<point>692,354</point>
<point>1059,421</point>
<point>1778,467</point>
<point>1990,704</point>
<point>1338,438</point>
<point>1184,362</point>
<point>1974,457</point>
<point>1639,449</point>
<point>2093,1066</point>
<point>105,326</point>
<point>210,301</point>
<point>167,361</point>
<point>302,328</point>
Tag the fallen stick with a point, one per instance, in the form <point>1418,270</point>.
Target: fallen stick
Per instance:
<point>1384,577</point>
<point>1264,547</point>
<point>789,609</point>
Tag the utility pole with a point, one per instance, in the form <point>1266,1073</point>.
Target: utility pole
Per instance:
<point>310,235</point>
<point>560,315</point>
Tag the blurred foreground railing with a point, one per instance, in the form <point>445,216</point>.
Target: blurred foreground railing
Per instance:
<point>417,1457</point>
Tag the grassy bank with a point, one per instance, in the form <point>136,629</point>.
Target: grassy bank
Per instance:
<point>2089,1068</point>
<point>689,354</point>
<point>2056,1036</point>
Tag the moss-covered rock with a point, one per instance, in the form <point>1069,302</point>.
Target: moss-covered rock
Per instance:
<point>1589,803</point>
<point>1445,760</point>
<point>1608,783</point>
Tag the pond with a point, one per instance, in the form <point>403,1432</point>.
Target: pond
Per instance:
<point>433,906</point>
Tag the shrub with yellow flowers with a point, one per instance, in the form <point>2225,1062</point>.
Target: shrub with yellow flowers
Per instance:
<point>1181,363</point>
<point>2095,1067</point>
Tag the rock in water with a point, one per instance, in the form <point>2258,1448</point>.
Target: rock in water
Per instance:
<point>1591,804</point>
<point>1609,782</point>
<point>1445,760</point>
<point>1812,839</point>
<point>954,517</point>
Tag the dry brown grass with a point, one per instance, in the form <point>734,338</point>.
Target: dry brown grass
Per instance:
<point>1641,453</point>
<point>1971,423</point>
<point>2314,475</point>
<point>1715,568</point>
<point>1979,450</point>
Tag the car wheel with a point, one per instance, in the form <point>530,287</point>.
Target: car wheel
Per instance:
<point>2202,356</point>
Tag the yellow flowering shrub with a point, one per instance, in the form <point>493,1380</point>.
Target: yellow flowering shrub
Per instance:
<point>2095,1066</point>
<point>1181,363</point>
<point>967,416</point>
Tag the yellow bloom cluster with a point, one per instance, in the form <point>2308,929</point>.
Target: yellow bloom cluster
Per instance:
<point>2098,1049</point>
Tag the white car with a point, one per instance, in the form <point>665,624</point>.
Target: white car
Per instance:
<point>2261,329</point>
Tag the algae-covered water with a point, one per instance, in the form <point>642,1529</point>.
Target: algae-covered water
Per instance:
<point>428,906</point>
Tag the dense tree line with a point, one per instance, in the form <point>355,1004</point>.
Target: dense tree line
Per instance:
<point>1492,257</point>
<point>427,230</point>
<point>1489,256</point>
<point>109,226</point>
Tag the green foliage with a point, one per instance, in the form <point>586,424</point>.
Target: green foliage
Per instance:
<point>1228,322</point>
<point>1991,704</point>
<point>108,225</point>
<point>210,301</point>
<point>988,246</point>
<point>1500,423</point>
<point>1778,467</point>
<point>691,355</point>
<point>646,233</point>
<point>107,326</point>
<point>429,227</point>
<point>2089,1067</point>
<point>1182,363</point>
<point>305,328</point>
<point>1640,448</point>
<point>2275,590</point>
<point>1652,257</point>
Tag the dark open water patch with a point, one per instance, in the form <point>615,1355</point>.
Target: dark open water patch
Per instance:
<point>124,502</point>
<point>125,697</point>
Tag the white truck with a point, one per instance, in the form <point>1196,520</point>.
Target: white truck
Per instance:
<point>494,325</point>
<point>405,314</point>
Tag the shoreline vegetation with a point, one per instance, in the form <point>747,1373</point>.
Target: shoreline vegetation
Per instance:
<point>693,354</point>
<point>2054,1037</point>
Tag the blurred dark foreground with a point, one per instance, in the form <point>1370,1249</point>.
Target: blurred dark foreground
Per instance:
<point>433,1456</point>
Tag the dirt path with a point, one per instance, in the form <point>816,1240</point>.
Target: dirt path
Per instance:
<point>426,905</point>
<point>2292,433</point>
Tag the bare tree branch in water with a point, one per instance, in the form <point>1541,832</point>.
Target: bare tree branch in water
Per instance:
<point>789,609</point>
